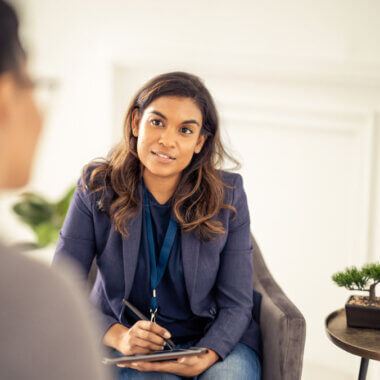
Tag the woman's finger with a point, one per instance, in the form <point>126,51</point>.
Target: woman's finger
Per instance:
<point>125,365</point>
<point>188,360</point>
<point>146,345</point>
<point>150,366</point>
<point>154,328</point>
<point>149,336</point>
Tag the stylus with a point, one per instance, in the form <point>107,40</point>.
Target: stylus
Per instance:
<point>136,311</point>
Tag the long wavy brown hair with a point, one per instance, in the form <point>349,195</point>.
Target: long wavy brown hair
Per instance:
<point>200,192</point>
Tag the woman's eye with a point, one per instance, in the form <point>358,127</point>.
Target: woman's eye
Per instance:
<point>156,122</point>
<point>186,130</point>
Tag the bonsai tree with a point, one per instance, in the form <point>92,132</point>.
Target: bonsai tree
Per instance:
<point>43,217</point>
<point>364,279</point>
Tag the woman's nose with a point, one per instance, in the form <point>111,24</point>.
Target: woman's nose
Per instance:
<point>167,137</point>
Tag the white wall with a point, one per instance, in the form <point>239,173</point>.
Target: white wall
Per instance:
<point>297,84</point>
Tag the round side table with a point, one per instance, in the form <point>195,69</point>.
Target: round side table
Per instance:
<point>362,342</point>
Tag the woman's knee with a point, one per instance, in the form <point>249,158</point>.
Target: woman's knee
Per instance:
<point>242,363</point>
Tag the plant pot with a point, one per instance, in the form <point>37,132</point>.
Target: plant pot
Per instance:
<point>362,316</point>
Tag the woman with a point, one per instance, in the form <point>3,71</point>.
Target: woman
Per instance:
<point>158,196</point>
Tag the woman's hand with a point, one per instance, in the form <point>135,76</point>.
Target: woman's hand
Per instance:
<point>143,337</point>
<point>185,366</point>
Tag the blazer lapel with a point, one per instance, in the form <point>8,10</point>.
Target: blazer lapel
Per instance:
<point>190,246</point>
<point>131,246</point>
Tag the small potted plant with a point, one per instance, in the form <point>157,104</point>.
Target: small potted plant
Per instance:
<point>361,311</point>
<point>43,217</point>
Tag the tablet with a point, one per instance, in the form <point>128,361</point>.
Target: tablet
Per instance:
<point>157,356</point>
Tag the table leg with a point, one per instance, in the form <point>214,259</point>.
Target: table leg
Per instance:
<point>363,369</point>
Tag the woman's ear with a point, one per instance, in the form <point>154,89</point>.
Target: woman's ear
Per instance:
<point>135,123</point>
<point>200,143</point>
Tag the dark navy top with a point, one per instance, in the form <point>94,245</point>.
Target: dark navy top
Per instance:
<point>174,311</point>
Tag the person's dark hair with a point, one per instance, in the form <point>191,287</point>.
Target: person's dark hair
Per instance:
<point>12,55</point>
<point>200,192</point>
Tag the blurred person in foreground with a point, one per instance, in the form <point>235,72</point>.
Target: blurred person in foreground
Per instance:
<point>44,325</point>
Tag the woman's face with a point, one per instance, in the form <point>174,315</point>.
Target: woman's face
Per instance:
<point>168,134</point>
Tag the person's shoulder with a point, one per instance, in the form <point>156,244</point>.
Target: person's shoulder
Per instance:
<point>96,172</point>
<point>15,266</point>
<point>230,178</point>
<point>37,293</point>
<point>94,185</point>
<point>12,261</point>
<point>20,274</point>
<point>232,182</point>
<point>233,186</point>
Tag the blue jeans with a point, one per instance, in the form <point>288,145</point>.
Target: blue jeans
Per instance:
<point>242,363</point>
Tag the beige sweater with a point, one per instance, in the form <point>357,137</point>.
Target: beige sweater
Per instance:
<point>45,328</point>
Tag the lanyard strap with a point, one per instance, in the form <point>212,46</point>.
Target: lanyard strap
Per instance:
<point>157,272</point>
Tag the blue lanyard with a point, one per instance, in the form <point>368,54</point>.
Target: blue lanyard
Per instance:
<point>156,272</point>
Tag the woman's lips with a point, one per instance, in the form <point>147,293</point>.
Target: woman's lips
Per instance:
<point>160,158</point>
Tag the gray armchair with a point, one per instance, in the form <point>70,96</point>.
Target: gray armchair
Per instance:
<point>282,326</point>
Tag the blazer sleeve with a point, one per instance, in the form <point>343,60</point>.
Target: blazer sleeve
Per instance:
<point>77,237</point>
<point>234,281</point>
<point>77,245</point>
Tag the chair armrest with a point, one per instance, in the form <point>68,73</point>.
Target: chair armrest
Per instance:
<point>282,326</point>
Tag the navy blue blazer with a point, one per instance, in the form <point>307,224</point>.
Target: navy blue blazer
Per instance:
<point>218,273</point>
